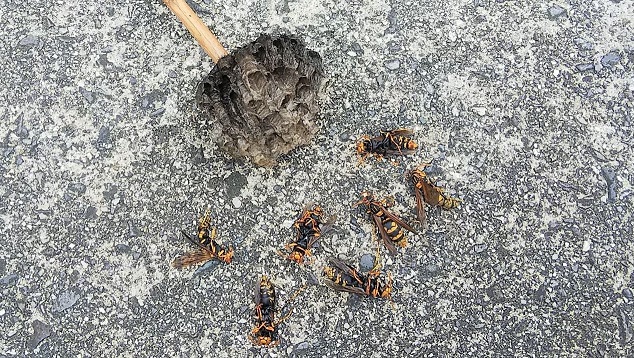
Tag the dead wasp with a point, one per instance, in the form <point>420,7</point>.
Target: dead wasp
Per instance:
<point>308,229</point>
<point>427,191</point>
<point>389,226</point>
<point>265,332</point>
<point>209,248</point>
<point>395,142</point>
<point>343,277</point>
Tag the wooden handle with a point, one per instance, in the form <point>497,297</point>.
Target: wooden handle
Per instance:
<point>207,40</point>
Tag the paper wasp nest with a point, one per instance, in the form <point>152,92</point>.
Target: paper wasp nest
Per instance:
<point>264,98</point>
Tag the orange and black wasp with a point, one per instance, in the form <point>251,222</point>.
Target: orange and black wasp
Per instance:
<point>427,191</point>
<point>395,142</point>
<point>208,247</point>
<point>389,226</point>
<point>265,332</point>
<point>343,277</point>
<point>308,229</point>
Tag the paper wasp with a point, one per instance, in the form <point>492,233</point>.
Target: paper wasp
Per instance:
<point>307,231</point>
<point>395,142</point>
<point>389,226</point>
<point>208,247</point>
<point>427,191</point>
<point>345,278</point>
<point>265,332</point>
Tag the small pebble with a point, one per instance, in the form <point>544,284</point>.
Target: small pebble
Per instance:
<point>41,331</point>
<point>380,80</point>
<point>366,262</point>
<point>88,95</point>
<point>610,178</point>
<point>157,112</point>
<point>610,60</point>
<point>122,249</point>
<point>480,111</point>
<point>392,64</point>
<point>66,299</point>
<point>29,40</point>
<point>556,11</point>
<point>480,248</point>
<point>586,246</point>
<point>583,44</point>
<point>584,67</point>
<point>237,203</point>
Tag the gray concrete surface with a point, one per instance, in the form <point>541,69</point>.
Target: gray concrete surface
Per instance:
<point>525,107</point>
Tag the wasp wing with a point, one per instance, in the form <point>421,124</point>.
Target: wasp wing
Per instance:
<point>431,192</point>
<point>405,132</point>
<point>346,269</point>
<point>398,220</point>
<point>420,207</point>
<point>384,236</point>
<point>313,240</point>
<point>342,288</point>
<point>192,258</point>
<point>258,284</point>
<point>402,151</point>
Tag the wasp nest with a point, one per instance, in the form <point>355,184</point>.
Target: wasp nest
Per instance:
<point>264,97</point>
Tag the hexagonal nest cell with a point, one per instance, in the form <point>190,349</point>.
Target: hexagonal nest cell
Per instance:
<point>264,98</point>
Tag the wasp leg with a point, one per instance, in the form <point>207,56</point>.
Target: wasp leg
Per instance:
<point>297,292</point>
<point>395,143</point>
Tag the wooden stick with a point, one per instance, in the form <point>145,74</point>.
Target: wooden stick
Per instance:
<point>206,39</point>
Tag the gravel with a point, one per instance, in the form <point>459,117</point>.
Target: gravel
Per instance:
<point>524,108</point>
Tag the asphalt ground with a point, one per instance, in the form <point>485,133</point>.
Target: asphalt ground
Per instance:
<point>524,108</point>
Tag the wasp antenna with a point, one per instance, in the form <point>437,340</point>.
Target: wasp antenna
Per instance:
<point>293,296</point>
<point>189,238</point>
<point>281,254</point>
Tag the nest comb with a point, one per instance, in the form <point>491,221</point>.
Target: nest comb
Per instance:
<point>263,95</point>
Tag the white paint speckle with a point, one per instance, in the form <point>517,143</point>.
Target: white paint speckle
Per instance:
<point>586,245</point>
<point>480,111</point>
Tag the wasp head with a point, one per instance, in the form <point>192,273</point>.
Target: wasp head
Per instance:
<point>419,172</point>
<point>260,339</point>
<point>362,147</point>
<point>318,211</point>
<point>411,145</point>
<point>296,256</point>
<point>366,198</point>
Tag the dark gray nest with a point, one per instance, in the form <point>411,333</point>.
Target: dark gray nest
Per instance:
<point>264,98</point>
